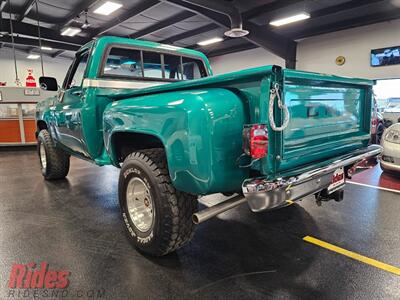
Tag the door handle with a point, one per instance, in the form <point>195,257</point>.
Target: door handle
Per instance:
<point>77,93</point>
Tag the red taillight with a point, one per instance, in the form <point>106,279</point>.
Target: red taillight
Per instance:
<point>255,140</point>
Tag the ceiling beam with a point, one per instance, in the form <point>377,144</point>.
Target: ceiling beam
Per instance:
<point>334,9</point>
<point>139,8</point>
<point>350,23</point>
<point>34,42</point>
<point>232,49</point>
<point>276,5</point>
<point>30,51</point>
<point>26,10</point>
<point>267,8</point>
<point>190,33</point>
<point>55,54</point>
<point>77,10</point>
<point>259,35</point>
<point>46,33</point>
<point>162,24</point>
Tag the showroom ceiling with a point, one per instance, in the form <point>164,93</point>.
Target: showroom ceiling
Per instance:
<point>186,22</point>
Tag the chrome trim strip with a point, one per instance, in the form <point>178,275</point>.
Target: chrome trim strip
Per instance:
<point>119,84</point>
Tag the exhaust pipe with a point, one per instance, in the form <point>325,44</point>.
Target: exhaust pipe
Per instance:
<point>214,210</point>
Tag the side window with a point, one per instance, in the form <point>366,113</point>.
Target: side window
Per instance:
<point>193,68</point>
<point>123,63</point>
<point>152,65</point>
<point>78,71</point>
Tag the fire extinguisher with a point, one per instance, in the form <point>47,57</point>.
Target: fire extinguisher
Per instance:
<point>30,80</point>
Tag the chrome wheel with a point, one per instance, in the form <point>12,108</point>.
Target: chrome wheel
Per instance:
<point>42,152</point>
<point>140,204</point>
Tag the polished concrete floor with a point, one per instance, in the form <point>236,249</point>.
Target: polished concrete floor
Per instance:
<point>74,225</point>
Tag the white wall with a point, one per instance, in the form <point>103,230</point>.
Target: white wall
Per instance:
<point>55,67</point>
<point>244,59</point>
<point>318,53</point>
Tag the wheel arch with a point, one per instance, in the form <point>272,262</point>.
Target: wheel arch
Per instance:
<point>40,125</point>
<point>122,143</point>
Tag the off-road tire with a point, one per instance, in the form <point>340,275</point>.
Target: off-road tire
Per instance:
<point>57,161</point>
<point>172,225</point>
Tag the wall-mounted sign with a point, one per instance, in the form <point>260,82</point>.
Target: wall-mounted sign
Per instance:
<point>30,80</point>
<point>32,92</point>
<point>385,56</point>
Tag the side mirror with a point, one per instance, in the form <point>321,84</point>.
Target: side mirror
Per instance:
<point>48,83</point>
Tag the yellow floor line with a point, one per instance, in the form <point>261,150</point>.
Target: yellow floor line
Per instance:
<point>353,255</point>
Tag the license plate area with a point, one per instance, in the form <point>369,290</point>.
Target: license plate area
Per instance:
<point>337,181</point>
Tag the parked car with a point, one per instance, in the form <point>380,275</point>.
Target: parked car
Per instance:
<point>377,124</point>
<point>390,159</point>
<point>155,111</point>
<point>391,114</point>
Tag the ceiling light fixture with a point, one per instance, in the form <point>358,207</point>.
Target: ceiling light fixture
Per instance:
<point>236,32</point>
<point>107,8</point>
<point>70,31</point>
<point>33,56</point>
<point>291,19</point>
<point>46,48</point>
<point>210,41</point>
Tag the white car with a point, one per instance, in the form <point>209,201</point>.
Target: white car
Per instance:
<point>391,114</point>
<point>390,158</point>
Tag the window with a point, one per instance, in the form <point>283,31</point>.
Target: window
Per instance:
<point>172,67</point>
<point>193,68</point>
<point>152,65</point>
<point>123,63</point>
<point>80,67</point>
<point>8,111</point>
<point>131,63</point>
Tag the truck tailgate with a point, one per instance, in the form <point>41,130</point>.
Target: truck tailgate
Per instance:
<point>329,116</point>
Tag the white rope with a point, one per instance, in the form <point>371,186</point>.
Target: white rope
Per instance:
<point>17,81</point>
<point>40,37</point>
<point>275,92</point>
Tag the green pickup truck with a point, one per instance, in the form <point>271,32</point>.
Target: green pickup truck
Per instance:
<point>267,136</point>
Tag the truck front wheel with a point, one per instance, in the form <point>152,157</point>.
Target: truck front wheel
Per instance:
<point>157,216</point>
<point>54,162</point>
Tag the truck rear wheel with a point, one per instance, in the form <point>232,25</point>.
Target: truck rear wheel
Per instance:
<point>54,162</point>
<point>157,216</point>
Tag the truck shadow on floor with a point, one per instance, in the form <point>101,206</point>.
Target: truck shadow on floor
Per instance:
<point>249,254</point>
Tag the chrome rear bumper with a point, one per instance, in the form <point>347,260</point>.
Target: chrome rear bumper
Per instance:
<point>263,194</point>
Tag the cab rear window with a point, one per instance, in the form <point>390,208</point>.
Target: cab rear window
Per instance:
<point>135,63</point>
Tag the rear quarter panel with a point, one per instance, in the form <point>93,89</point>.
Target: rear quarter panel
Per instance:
<point>200,130</point>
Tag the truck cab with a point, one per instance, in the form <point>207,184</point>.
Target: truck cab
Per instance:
<point>112,65</point>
